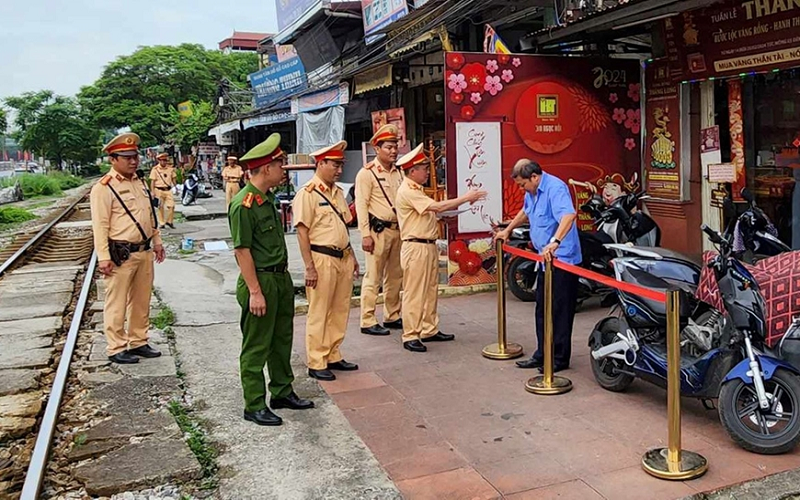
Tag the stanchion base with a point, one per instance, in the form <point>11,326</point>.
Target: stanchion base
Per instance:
<point>493,351</point>
<point>692,465</point>
<point>537,385</point>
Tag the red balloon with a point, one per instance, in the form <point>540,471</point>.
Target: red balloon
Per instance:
<point>457,250</point>
<point>471,263</point>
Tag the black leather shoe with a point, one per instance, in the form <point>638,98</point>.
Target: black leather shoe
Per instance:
<point>439,337</point>
<point>162,226</point>
<point>124,358</point>
<point>414,346</point>
<point>556,368</point>
<point>321,374</point>
<point>292,401</point>
<point>375,330</point>
<point>170,225</point>
<point>343,365</point>
<point>263,417</point>
<point>530,363</point>
<point>394,325</point>
<point>145,351</point>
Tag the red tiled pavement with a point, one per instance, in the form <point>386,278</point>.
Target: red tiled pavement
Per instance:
<point>450,424</point>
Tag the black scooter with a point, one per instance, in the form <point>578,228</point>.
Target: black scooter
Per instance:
<point>754,227</point>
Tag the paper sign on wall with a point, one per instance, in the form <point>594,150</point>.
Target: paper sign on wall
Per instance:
<point>479,158</point>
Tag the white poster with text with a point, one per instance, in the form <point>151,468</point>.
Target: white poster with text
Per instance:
<point>479,160</point>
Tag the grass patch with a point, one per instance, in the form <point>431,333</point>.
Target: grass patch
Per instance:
<point>164,318</point>
<point>36,185</point>
<point>197,441</point>
<point>80,439</point>
<point>13,215</point>
<point>181,251</point>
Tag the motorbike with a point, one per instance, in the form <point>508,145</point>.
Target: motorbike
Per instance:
<point>724,357</point>
<point>756,239</point>
<point>618,223</point>
<point>193,189</point>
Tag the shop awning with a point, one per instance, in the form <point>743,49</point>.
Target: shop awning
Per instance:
<point>373,79</point>
<point>222,132</point>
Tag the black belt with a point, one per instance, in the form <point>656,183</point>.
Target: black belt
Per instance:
<point>163,189</point>
<point>386,223</point>
<point>280,268</point>
<point>420,240</point>
<point>134,247</point>
<point>333,252</point>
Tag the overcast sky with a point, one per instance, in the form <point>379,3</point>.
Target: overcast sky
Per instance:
<point>62,45</point>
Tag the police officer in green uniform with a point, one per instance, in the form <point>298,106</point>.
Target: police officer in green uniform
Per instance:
<point>264,290</point>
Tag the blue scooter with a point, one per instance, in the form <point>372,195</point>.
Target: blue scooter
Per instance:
<point>758,396</point>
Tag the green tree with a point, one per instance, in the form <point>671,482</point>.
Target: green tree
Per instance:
<point>3,121</point>
<point>141,90</point>
<point>54,127</point>
<point>185,132</point>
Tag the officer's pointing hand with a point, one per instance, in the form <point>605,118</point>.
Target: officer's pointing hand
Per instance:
<point>311,277</point>
<point>473,196</point>
<point>106,267</point>
<point>258,304</point>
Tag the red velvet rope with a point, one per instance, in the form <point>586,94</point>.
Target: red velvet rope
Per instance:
<point>585,273</point>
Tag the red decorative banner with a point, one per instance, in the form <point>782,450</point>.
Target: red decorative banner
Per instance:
<point>737,135</point>
<point>663,133</point>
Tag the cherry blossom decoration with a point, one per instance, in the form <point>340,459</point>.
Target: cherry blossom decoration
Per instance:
<point>467,112</point>
<point>475,74</point>
<point>633,120</point>
<point>630,144</point>
<point>613,97</point>
<point>456,98</point>
<point>493,85</point>
<point>503,58</point>
<point>516,62</point>
<point>508,75</point>
<point>456,82</point>
<point>491,66</point>
<point>634,91</point>
<point>619,115</point>
<point>455,60</point>
<point>475,98</point>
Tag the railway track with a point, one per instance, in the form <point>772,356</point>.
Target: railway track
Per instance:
<point>46,276</point>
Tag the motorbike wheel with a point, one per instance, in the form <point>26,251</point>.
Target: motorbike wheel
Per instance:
<point>521,277</point>
<point>768,432</point>
<point>606,371</point>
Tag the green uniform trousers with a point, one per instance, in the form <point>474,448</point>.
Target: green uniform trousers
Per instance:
<point>267,339</point>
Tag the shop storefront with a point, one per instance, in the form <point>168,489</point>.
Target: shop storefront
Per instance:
<point>744,57</point>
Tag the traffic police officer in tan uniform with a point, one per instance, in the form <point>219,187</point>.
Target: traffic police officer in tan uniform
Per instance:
<point>162,180</point>
<point>376,189</point>
<point>264,289</point>
<point>419,256</point>
<point>321,216</point>
<point>127,240</point>
<point>232,174</point>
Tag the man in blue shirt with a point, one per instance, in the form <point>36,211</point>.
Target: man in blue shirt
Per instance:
<point>548,209</point>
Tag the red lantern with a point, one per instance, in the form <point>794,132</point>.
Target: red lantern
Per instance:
<point>471,263</point>
<point>467,112</point>
<point>457,250</point>
<point>456,98</point>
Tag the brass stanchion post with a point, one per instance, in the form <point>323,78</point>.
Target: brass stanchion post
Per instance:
<point>672,462</point>
<point>501,350</point>
<point>547,383</point>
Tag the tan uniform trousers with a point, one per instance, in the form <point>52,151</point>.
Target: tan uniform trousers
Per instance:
<point>420,263</point>
<point>328,310</point>
<point>128,291</point>
<point>231,189</point>
<point>165,203</point>
<point>383,268</point>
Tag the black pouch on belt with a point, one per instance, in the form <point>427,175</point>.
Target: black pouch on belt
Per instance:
<point>119,252</point>
<point>376,224</point>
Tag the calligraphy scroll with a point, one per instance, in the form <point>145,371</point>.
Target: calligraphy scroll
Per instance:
<point>479,160</point>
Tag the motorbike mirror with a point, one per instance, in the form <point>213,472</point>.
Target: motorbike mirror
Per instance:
<point>748,195</point>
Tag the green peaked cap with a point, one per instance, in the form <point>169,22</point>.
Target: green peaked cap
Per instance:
<point>264,149</point>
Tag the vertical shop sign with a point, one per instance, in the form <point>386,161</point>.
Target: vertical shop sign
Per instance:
<point>662,125</point>
<point>478,157</point>
<point>737,135</point>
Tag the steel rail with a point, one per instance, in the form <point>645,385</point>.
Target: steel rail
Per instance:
<point>38,464</point>
<point>38,236</point>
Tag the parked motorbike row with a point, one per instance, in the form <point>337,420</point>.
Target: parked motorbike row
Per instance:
<point>725,356</point>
